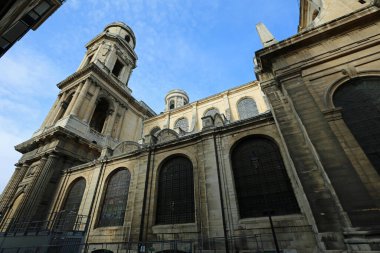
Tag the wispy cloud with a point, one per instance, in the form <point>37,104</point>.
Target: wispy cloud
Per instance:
<point>26,90</point>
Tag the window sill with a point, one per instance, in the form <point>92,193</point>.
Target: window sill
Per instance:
<point>257,220</point>
<point>175,228</point>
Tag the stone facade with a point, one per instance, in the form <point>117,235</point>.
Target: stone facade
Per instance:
<point>315,187</point>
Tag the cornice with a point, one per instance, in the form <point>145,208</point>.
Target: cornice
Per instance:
<point>93,68</point>
<point>318,33</point>
<point>50,134</point>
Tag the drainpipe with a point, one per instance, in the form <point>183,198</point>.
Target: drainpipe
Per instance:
<point>221,195</point>
<point>141,233</point>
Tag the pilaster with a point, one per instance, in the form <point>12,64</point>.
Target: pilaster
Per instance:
<point>81,97</point>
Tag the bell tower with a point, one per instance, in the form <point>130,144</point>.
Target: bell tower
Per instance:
<point>113,51</point>
<point>94,110</point>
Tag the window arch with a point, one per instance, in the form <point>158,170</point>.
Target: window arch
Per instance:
<point>171,104</point>
<point>115,199</point>
<point>69,211</point>
<point>183,124</point>
<point>247,108</point>
<point>262,184</point>
<point>211,112</point>
<point>175,201</point>
<point>155,130</point>
<point>360,100</point>
<point>100,115</point>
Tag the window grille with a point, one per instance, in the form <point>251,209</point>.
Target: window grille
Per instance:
<point>115,199</point>
<point>175,201</point>
<point>247,108</point>
<point>360,100</point>
<point>69,211</point>
<point>211,112</point>
<point>262,184</point>
<point>183,124</point>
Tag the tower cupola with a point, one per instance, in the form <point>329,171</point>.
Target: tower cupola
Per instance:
<point>113,51</point>
<point>175,99</point>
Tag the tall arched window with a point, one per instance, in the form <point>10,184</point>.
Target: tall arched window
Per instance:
<point>67,217</point>
<point>211,112</point>
<point>247,108</point>
<point>360,100</point>
<point>100,115</point>
<point>262,184</point>
<point>175,201</point>
<point>183,124</point>
<point>115,199</point>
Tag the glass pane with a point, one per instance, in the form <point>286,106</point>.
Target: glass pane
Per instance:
<point>183,124</point>
<point>360,100</point>
<point>211,112</point>
<point>262,184</point>
<point>247,108</point>
<point>115,199</point>
<point>175,202</point>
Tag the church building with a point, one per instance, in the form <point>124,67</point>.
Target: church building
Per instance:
<point>288,163</point>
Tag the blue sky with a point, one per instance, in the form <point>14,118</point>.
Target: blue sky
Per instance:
<point>201,46</point>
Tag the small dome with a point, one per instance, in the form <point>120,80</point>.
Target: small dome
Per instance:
<point>123,30</point>
<point>176,98</point>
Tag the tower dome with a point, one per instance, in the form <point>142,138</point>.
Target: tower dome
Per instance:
<point>113,52</point>
<point>122,30</point>
<point>176,98</point>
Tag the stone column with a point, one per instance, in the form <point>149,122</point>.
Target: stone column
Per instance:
<point>81,97</point>
<point>51,112</point>
<point>111,120</point>
<point>58,112</point>
<point>123,113</point>
<point>18,215</point>
<point>194,117</point>
<point>72,102</point>
<point>11,187</point>
<point>35,190</point>
<point>226,102</point>
<point>91,106</point>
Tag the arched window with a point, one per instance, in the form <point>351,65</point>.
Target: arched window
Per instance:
<point>67,217</point>
<point>211,112</point>
<point>175,201</point>
<point>360,100</point>
<point>155,130</point>
<point>183,124</point>
<point>171,104</point>
<point>262,184</point>
<point>100,115</point>
<point>115,199</point>
<point>247,108</point>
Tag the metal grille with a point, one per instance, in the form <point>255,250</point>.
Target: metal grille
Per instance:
<point>115,199</point>
<point>262,184</point>
<point>360,100</point>
<point>175,202</point>
<point>247,108</point>
<point>67,217</point>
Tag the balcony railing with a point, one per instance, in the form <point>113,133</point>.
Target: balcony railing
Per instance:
<point>60,222</point>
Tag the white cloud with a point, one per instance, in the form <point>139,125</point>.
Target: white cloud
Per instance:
<point>27,90</point>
